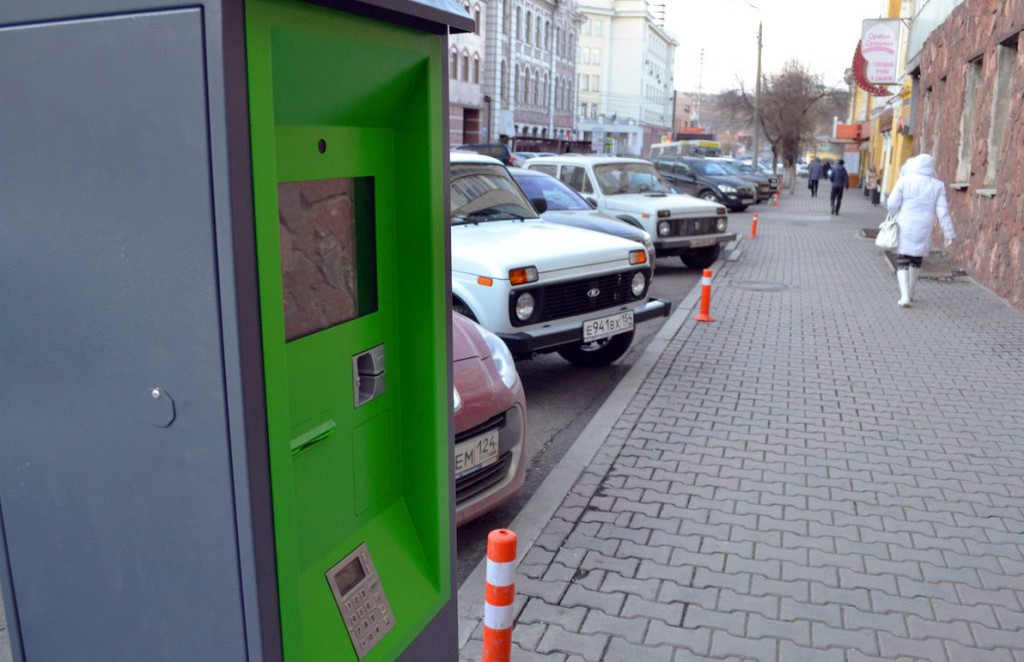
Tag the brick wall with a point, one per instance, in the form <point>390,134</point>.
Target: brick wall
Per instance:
<point>990,226</point>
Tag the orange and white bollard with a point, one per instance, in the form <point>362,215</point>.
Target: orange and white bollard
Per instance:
<point>753,227</point>
<point>705,298</point>
<point>775,200</point>
<point>500,594</point>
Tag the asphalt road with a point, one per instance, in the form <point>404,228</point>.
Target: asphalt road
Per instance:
<point>560,400</point>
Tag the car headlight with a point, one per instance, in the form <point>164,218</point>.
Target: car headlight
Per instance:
<point>664,227</point>
<point>457,400</point>
<point>524,306</point>
<point>501,356</point>
<point>639,283</point>
<point>725,188</point>
<point>721,224</point>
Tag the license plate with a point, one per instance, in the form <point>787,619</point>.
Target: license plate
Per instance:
<point>604,327</point>
<point>476,453</point>
<point>748,201</point>
<point>705,241</point>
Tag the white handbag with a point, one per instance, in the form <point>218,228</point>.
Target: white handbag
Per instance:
<point>888,234</point>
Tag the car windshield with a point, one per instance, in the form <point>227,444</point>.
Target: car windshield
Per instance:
<point>708,168</point>
<point>614,178</point>
<point>558,196</point>
<point>730,168</point>
<point>483,192</point>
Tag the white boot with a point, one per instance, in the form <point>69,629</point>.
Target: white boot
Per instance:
<point>914,271</point>
<point>903,278</point>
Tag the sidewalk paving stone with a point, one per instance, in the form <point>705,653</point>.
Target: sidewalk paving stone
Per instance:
<point>777,489</point>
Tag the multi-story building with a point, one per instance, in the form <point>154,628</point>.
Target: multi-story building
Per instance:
<point>466,74</point>
<point>625,101</point>
<point>514,77</point>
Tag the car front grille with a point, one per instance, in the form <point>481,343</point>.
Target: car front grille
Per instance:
<point>688,227</point>
<point>578,297</point>
<point>483,479</point>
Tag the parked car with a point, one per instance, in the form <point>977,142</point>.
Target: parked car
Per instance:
<point>766,185</point>
<point>519,158</point>
<point>490,421</point>
<point>542,287</point>
<point>494,150</point>
<point>707,180</point>
<point>631,189</point>
<point>557,203</point>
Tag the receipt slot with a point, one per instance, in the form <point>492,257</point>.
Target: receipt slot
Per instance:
<point>225,428</point>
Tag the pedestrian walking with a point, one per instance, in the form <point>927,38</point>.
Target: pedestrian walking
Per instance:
<point>840,182</point>
<point>872,186</point>
<point>916,199</point>
<point>826,169</point>
<point>814,173</point>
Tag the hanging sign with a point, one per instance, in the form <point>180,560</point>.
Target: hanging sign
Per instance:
<point>879,43</point>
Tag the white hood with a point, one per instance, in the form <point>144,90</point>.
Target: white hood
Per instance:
<point>679,204</point>
<point>493,248</point>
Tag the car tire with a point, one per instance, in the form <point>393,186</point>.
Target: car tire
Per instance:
<point>463,309</point>
<point>598,353</point>
<point>701,258</point>
<point>709,196</point>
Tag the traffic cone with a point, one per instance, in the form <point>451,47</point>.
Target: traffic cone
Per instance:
<point>705,298</point>
<point>753,227</point>
<point>775,200</point>
<point>500,593</point>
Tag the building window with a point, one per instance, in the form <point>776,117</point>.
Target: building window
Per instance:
<point>465,66</point>
<point>476,68</point>
<point>595,56</point>
<point>478,18</point>
<point>503,82</point>
<point>584,83</point>
<point>597,28</point>
<point>595,83</point>
<point>583,110</point>
<point>975,71</point>
<point>537,39</point>
<point>584,56</point>
<point>1006,65</point>
<point>528,27</point>
<point>453,65</point>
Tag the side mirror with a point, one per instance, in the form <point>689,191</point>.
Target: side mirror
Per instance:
<point>540,204</point>
<point>591,201</point>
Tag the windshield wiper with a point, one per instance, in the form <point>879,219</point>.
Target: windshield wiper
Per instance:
<point>488,214</point>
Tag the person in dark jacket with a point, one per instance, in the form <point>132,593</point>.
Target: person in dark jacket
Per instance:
<point>814,173</point>
<point>840,182</point>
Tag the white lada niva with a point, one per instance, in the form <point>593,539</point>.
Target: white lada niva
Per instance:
<point>539,286</point>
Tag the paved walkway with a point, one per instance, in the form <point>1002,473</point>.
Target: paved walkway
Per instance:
<point>772,489</point>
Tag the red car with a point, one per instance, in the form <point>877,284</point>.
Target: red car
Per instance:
<point>490,421</point>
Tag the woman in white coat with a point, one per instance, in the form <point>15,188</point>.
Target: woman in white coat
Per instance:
<point>918,197</point>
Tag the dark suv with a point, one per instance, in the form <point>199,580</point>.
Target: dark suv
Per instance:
<point>706,179</point>
<point>766,184</point>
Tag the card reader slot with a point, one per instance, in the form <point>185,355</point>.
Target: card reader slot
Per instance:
<point>311,437</point>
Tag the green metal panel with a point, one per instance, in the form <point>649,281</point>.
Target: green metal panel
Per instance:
<point>335,96</point>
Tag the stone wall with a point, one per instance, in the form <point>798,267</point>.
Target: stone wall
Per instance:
<point>989,224</point>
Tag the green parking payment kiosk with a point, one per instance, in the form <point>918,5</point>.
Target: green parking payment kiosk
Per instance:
<point>225,420</point>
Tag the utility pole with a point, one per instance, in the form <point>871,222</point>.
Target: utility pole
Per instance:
<point>756,148</point>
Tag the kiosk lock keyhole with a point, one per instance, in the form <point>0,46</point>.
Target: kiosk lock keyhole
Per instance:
<point>368,375</point>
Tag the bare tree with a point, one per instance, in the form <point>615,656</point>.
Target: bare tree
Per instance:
<point>795,106</point>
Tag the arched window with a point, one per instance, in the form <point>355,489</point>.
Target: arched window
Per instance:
<point>478,17</point>
<point>519,24</point>
<point>453,65</point>
<point>521,92</point>
<point>476,68</point>
<point>537,32</point>
<point>547,35</point>
<point>528,27</point>
<point>503,82</point>
<point>465,65</point>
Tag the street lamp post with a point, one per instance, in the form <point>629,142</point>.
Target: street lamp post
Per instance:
<point>756,147</point>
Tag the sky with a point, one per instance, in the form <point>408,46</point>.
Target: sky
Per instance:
<point>822,34</point>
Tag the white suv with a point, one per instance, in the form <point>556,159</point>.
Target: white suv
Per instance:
<point>542,287</point>
<point>632,189</point>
